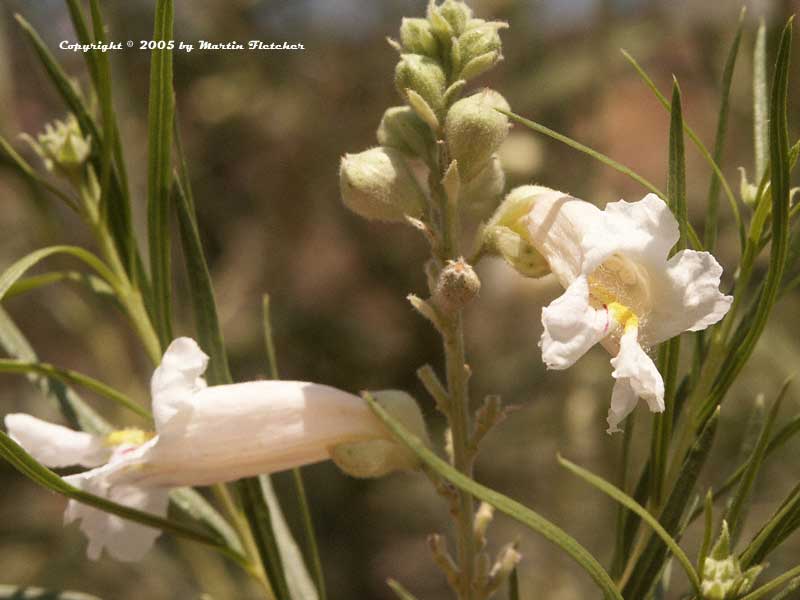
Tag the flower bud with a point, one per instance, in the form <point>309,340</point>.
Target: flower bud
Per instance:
<point>457,285</point>
<point>747,190</point>
<point>480,39</point>
<point>424,76</point>
<point>378,457</point>
<point>506,234</point>
<point>722,574</point>
<point>62,145</point>
<point>457,14</point>
<point>481,195</point>
<point>474,131</point>
<point>507,561</point>
<point>402,129</point>
<point>378,185</point>
<point>483,518</point>
<point>416,37</point>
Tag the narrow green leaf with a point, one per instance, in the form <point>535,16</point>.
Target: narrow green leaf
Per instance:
<point>645,571</point>
<point>201,288</point>
<point>513,586</point>
<point>20,592</point>
<point>631,504</point>
<point>301,499</point>
<point>710,239</point>
<point>159,169</point>
<point>787,592</point>
<point>84,37</point>
<point>774,531</point>
<point>35,282</point>
<point>258,515</point>
<point>398,589</point>
<point>18,269</point>
<point>623,515</point>
<point>191,503</point>
<point>610,162</point>
<point>68,376</point>
<point>700,146</point>
<point>28,466</point>
<point>760,102</point>
<point>740,498</point>
<point>301,587</point>
<point>504,504</point>
<point>708,531</point>
<point>780,167</point>
<point>669,353</point>
<point>774,585</point>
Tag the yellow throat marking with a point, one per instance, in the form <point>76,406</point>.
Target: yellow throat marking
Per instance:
<point>621,313</point>
<point>133,436</point>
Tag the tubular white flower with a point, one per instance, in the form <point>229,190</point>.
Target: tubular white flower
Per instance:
<point>621,288</point>
<point>214,434</point>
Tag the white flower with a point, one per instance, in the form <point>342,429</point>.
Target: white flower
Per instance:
<point>208,435</point>
<point>622,289</point>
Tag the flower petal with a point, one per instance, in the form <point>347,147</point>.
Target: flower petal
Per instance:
<point>245,429</point>
<point>645,231</point>
<point>571,326</point>
<point>175,380</point>
<point>688,296</point>
<point>635,370</point>
<point>557,224</point>
<point>623,401</point>
<point>54,445</point>
<point>124,540</point>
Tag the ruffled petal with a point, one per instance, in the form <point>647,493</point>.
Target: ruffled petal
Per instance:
<point>54,445</point>
<point>634,369</point>
<point>571,326</point>
<point>645,231</point>
<point>124,540</point>
<point>687,296</point>
<point>623,401</point>
<point>557,224</point>
<point>176,379</point>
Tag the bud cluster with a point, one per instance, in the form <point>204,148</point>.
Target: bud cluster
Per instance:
<point>62,145</point>
<point>723,578</point>
<point>420,140</point>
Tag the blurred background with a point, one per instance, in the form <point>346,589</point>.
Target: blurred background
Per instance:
<point>264,132</point>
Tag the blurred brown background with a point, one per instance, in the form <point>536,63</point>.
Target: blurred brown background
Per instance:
<point>264,132</point>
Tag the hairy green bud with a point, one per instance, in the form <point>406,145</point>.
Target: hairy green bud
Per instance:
<point>722,574</point>
<point>401,128</point>
<point>378,457</point>
<point>378,185</point>
<point>477,41</point>
<point>482,193</point>
<point>507,235</point>
<point>422,75</point>
<point>474,130</point>
<point>457,14</point>
<point>416,37</point>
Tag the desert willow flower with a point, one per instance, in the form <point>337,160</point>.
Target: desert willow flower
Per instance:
<point>206,435</point>
<point>622,288</point>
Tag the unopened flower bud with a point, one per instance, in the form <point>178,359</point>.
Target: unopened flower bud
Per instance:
<point>483,518</point>
<point>416,37</point>
<point>377,457</point>
<point>507,235</point>
<point>480,39</point>
<point>480,64</point>
<point>457,285</point>
<point>482,194</point>
<point>378,185</point>
<point>747,190</point>
<point>474,131</point>
<point>457,14</point>
<point>422,75</point>
<point>507,561</point>
<point>402,129</point>
<point>62,145</point>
